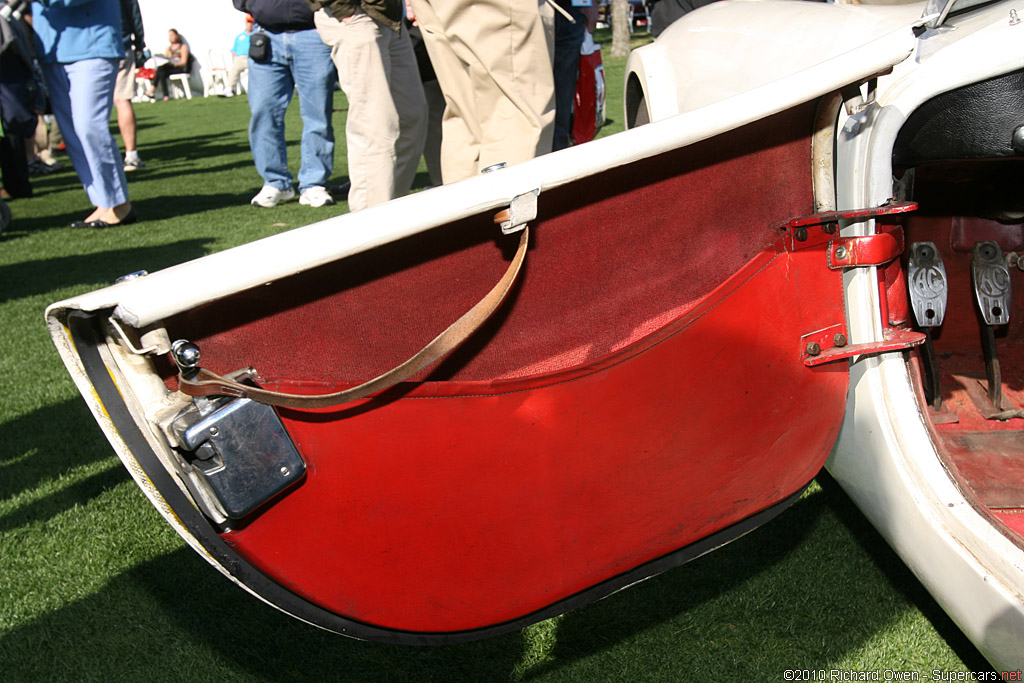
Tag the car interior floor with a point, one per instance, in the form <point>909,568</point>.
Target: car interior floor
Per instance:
<point>982,443</point>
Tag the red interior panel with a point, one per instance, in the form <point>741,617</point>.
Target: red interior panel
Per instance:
<point>612,260</point>
<point>642,389</point>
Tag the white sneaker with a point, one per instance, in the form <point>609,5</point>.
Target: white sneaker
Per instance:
<point>133,163</point>
<point>315,196</point>
<point>271,196</point>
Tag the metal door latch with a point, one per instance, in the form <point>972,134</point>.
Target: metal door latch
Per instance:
<point>240,450</point>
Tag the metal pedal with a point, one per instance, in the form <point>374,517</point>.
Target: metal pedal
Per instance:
<point>928,285</point>
<point>990,275</point>
<point>926,277</point>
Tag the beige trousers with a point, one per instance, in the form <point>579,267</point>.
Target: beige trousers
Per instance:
<point>493,61</point>
<point>239,64</point>
<point>387,111</point>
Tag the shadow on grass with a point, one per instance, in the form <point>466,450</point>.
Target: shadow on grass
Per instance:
<point>79,493</point>
<point>189,149</point>
<point>162,208</point>
<point>176,618</point>
<point>46,443</point>
<point>780,598</point>
<point>157,170</point>
<point>749,611</point>
<point>902,579</point>
<point>29,278</point>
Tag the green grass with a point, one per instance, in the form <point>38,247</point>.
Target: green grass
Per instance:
<point>95,586</point>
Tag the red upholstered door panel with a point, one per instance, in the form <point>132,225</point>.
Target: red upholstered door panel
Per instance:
<point>642,390</point>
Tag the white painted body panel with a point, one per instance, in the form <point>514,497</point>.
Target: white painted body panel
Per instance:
<point>733,47</point>
<point>885,458</point>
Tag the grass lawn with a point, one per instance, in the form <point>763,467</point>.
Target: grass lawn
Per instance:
<point>94,585</point>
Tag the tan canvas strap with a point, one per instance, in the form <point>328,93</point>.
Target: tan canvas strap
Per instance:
<point>202,382</point>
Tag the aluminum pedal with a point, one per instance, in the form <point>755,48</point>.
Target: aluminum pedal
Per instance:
<point>926,279</point>
<point>990,275</point>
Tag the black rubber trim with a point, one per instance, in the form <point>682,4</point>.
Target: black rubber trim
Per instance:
<point>85,334</point>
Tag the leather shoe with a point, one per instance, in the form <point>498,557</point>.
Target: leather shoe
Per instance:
<point>98,224</point>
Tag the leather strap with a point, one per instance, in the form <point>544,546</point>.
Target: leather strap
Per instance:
<point>206,383</point>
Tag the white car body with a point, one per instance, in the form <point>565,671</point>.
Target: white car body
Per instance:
<point>886,457</point>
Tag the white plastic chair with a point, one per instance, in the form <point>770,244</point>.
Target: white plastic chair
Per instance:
<point>184,81</point>
<point>216,82</point>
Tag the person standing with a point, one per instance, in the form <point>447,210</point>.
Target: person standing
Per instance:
<point>292,56</point>
<point>16,111</point>
<point>493,60</point>
<point>387,110</point>
<point>569,31</point>
<point>239,57</point>
<point>79,47</point>
<point>124,89</point>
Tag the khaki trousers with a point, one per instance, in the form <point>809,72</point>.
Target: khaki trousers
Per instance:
<point>493,61</point>
<point>387,111</point>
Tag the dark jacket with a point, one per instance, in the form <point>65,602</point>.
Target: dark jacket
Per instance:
<point>278,16</point>
<point>386,12</point>
<point>131,27</point>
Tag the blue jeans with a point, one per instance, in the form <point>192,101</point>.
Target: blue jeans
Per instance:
<point>298,60</point>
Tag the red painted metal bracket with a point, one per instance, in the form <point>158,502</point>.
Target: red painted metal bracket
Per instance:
<point>829,344</point>
<point>870,250</point>
<point>823,217</point>
<point>828,222</point>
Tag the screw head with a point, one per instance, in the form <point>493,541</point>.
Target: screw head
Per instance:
<point>285,471</point>
<point>800,234</point>
<point>813,348</point>
<point>841,252</point>
<point>839,340</point>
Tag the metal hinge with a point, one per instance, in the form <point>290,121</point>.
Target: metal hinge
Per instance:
<point>830,344</point>
<point>816,228</point>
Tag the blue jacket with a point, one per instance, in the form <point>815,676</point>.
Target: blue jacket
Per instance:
<point>72,30</point>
